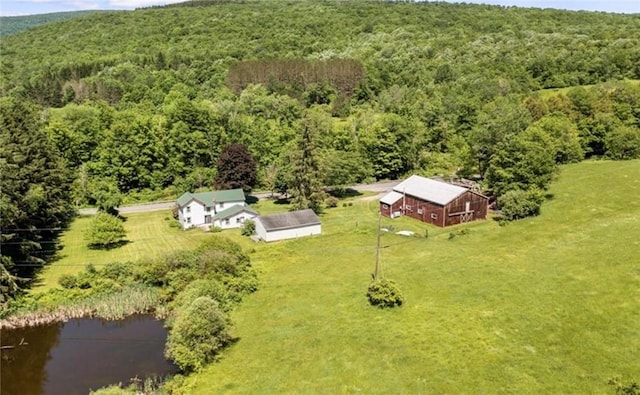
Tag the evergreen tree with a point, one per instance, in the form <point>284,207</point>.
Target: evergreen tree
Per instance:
<point>34,192</point>
<point>236,168</point>
<point>305,167</point>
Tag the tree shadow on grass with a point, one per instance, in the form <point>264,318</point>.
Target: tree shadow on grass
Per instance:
<point>282,200</point>
<point>110,246</point>
<point>342,193</point>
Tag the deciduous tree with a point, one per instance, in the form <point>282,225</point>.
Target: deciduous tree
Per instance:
<point>236,168</point>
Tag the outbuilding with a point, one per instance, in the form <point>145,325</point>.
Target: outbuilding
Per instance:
<point>435,202</point>
<point>287,225</point>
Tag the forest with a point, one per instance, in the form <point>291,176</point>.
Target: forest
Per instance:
<point>140,104</point>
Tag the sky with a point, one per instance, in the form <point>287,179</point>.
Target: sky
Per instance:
<point>26,7</point>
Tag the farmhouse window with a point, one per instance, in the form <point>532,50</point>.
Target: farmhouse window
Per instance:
<point>188,209</point>
<point>208,209</point>
<point>226,221</point>
<point>221,204</point>
<point>385,206</point>
<point>188,220</point>
<point>434,216</point>
<point>239,220</point>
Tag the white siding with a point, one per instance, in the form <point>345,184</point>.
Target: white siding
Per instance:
<point>233,220</point>
<point>194,210</point>
<point>225,205</point>
<point>292,233</point>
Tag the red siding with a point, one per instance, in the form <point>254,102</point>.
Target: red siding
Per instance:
<point>453,213</point>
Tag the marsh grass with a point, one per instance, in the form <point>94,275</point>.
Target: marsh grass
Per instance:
<point>112,306</point>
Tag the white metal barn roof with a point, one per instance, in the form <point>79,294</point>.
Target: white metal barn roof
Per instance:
<point>427,189</point>
<point>391,197</point>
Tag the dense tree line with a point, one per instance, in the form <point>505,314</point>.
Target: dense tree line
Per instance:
<point>34,195</point>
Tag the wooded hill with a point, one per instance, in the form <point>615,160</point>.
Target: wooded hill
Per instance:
<point>146,100</point>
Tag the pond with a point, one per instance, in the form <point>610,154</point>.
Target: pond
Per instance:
<point>82,354</point>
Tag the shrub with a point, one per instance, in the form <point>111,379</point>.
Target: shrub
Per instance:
<point>631,388</point>
<point>331,201</point>
<point>384,293</point>
<point>67,281</point>
<point>198,334</point>
<point>518,204</point>
<point>249,228</point>
<point>117,271</point>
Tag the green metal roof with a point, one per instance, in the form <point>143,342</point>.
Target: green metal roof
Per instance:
<point>233,210</point>
<point>208,198</point>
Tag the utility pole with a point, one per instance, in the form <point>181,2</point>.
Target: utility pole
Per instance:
<point>375,272</point>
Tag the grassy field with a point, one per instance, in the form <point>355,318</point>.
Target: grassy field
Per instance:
<point>545,305</point>
<point>546,93</point>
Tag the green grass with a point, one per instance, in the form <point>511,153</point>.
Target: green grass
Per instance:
<point>545,305</point>
<point>546,93</point>
<point>149,235</point>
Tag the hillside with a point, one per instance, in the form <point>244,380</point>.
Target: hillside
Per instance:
<point>14,24</point>
<point>544,305</point>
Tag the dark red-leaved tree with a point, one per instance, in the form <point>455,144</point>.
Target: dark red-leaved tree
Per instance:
<point>236,168</point>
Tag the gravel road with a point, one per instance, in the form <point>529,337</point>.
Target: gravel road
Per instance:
<point>166,205</point>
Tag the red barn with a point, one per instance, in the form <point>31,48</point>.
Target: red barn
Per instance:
<point>435,202</point>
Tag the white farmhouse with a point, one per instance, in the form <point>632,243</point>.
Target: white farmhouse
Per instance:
<point>225,209</point>
<point>289,225</point>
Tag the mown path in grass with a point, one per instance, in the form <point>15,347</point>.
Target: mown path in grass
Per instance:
<point>545,305</point>
<point>148,235</point>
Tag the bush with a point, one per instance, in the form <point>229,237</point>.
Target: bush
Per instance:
<point>631,388</point>
<point>120,272</point>
<point>198,334</point>
<point>518,204</point>
<point>384,293</point>
<point>249,228</point>
<point>331,201</point>
<point>67,281</point>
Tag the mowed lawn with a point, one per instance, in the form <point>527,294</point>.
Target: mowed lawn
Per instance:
<point>544,305</point>
<point>148,234</point>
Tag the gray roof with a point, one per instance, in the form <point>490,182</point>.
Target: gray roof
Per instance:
<point>430,190</point>
<point>292,219</point>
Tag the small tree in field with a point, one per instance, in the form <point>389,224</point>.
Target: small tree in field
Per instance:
<point>236,168</point>
<point>105,231</point>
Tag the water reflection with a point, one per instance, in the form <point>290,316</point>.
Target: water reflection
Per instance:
<point>80,355</point>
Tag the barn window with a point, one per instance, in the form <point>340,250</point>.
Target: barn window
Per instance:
<point>434,216</point>
<point>385,206</point>
<point>420,211</point>
<point>407,207</point>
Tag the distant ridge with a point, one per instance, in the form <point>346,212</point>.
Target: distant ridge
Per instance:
<point>15,24</point>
